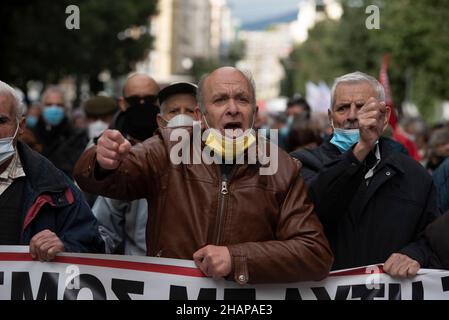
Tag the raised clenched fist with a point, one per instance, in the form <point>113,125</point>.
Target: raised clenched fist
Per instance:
<point>112,147</point>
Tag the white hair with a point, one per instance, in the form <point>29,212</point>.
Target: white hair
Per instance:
<point>19,107</point>
<point>358,77</point>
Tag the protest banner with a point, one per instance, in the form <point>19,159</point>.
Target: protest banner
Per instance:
<point>110,277</point>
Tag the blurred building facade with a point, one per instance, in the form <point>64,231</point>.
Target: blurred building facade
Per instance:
<point>263,52</point>
<point>265,49</point>
<point>183,31</point>
<point>311,12</point>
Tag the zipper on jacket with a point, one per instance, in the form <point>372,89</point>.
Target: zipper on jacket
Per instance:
<point>224,188</point>
<point>224,191</point>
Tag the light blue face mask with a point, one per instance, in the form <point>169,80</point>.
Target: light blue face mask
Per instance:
<point>31,121</point>
<point>290,121</point>
<point>7,148</point>
<point>345,139</point>
<point>285,130</point>
<point>53,115</point>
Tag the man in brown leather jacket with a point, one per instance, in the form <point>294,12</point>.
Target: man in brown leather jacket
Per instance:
<point>233,221</point>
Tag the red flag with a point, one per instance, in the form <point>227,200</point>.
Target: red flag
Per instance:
<point>397,131</point>
<point>383,79</point>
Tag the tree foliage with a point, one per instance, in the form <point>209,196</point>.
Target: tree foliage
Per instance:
<point>37,45</point>
<point>414,33</point>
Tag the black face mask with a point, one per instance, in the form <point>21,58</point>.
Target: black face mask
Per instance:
<point>140,120</point>
<point>435,162</point>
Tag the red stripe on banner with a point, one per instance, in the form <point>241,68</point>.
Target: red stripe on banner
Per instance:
<point>138,266</point>
<point>362,271</point>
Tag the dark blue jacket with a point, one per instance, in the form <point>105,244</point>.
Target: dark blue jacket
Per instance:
<point>441,180</point>
<point>51,201</point>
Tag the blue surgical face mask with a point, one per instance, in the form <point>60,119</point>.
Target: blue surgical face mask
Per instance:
<point>285,130</point>
<point>53,115</point>
<point>31,121</point>
<point>344,139</point>
<point>7,148</point>
<point>290,120</point>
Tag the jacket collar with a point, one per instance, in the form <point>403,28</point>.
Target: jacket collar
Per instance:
<point>387,151</point>
<point>387,155</point>
<point>41,174</point>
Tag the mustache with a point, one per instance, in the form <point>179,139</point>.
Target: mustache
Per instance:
<point>348,125</point>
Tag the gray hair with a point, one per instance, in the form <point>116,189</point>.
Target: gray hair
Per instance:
<point>19,107</point>
<point>162,108</point>
<point>358,77</point>
<point>163,104</point>
<point>438,137</point>
<point>53,89</point>
<point>246,73</point>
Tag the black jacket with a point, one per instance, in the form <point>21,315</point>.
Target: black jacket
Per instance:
<point>62,144</point>
<point>366,224</point>
<point>437,234</point>
<point>441,179</point>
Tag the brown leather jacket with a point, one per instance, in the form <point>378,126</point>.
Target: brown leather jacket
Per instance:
<point>267,222</point>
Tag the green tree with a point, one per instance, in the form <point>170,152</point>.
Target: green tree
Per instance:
<point>313,61</point>
<point>414,34</point>
<point>37,44</point>
<point>337,47</point>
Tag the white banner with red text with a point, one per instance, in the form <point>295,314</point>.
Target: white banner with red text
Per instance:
<point>110,277</point>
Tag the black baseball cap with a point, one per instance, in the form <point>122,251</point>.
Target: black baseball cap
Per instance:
<point>177,88</point>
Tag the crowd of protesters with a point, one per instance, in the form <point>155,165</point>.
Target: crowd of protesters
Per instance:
<point>350,189</point>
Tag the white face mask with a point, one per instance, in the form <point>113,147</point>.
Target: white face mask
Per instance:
<point>7,148</point>
<point>96,128</point>
<point>181,120</point>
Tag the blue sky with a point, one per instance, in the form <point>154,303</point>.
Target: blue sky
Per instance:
<point>253,10</point>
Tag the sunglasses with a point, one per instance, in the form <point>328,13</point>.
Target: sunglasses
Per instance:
<point>144,100</point>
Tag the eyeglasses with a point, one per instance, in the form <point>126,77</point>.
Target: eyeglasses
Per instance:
<point>144,100</point>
